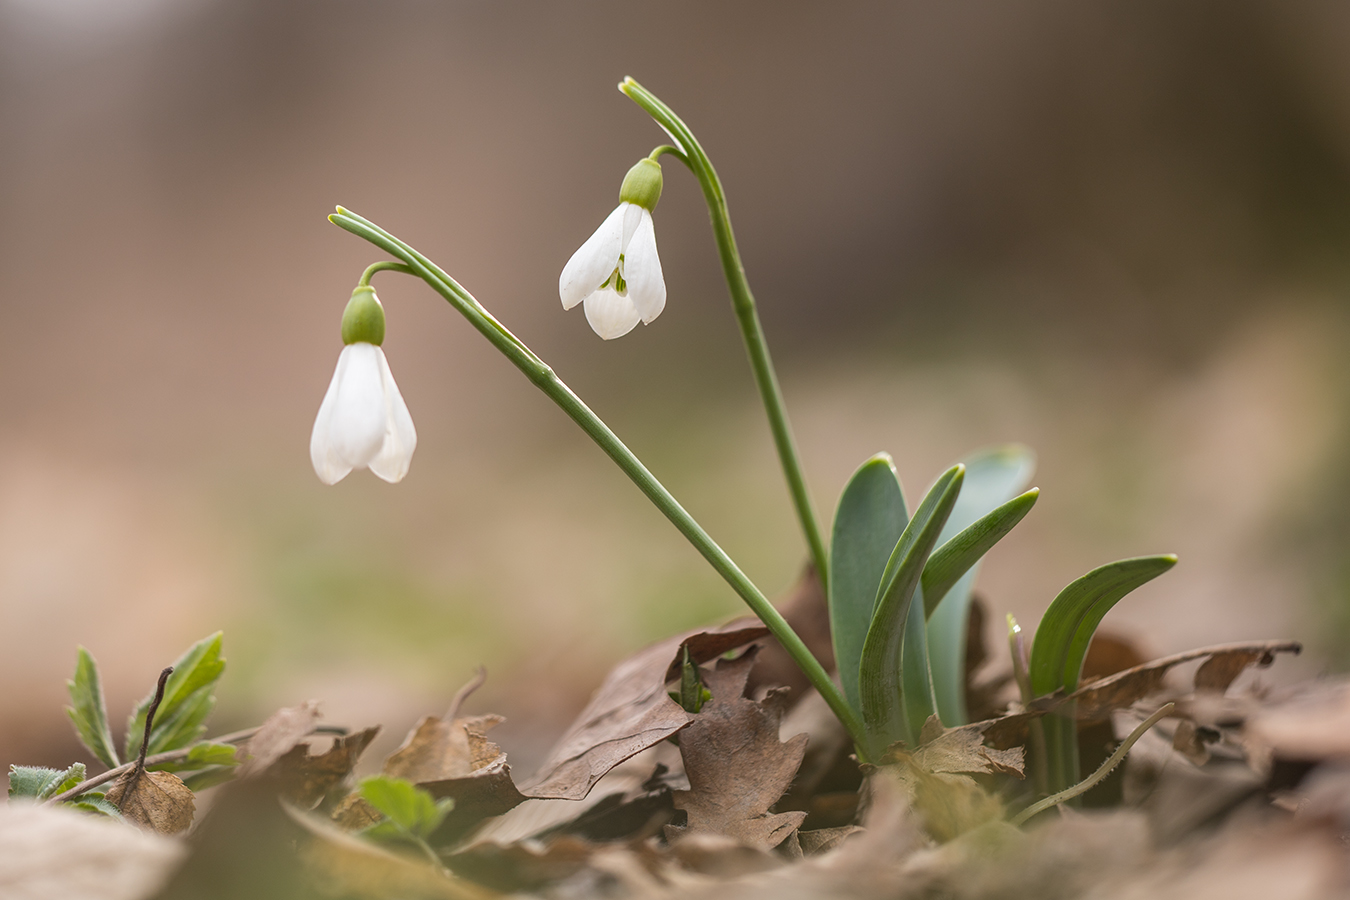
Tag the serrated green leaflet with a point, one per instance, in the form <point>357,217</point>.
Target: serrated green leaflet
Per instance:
<point>95,803</point>
<point>1067,627</point>
<point>204,755</point>
<point>88,711</point>
<point>187,700</point>
<point>987,509</point>
<point>405,804</point>
<point>40,782</point>
<point>867,525</point>
<point>879,674</point>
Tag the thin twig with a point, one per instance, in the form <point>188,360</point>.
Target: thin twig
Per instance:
<point>168,756</point>
<point>1102,771</point>
<point>139,768</point>
<point>463,693</point>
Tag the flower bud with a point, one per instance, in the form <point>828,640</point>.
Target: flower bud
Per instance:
<point>363,320</point>
<point>642,185</point>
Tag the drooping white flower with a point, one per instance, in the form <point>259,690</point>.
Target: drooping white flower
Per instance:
<point>363,421</point>
<point>616,274</point>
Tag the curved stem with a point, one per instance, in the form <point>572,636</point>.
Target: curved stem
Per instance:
<point>743,302</point>
<point>547,381</point>
<point>386,265</point>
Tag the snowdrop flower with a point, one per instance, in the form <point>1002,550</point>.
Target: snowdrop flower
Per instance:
<point>363,421</point>
<point>617,273</point>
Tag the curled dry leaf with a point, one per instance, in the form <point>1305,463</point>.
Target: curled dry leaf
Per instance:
<point>456,760</point>
<point>158,801</point>
<point>962,750</point>
<point>737,766</point>
<point>630,711</point>
<point>305,777</point>
<point>1223,663</point>
<point>277,736</point>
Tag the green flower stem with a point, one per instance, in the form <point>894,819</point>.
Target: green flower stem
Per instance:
<point>743,302</point>
<point>384,266</point>
<point>547,381</point>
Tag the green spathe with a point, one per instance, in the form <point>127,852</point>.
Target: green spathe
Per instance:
<point>363,320</point>
<point>642,185</point>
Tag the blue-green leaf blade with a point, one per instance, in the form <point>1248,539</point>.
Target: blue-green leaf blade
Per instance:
<point>879,674</point>
<point>868,522</point>
<point>994,477</point>
<point>1066,629</point>
<point>916,674</point>
<point>88,712</point>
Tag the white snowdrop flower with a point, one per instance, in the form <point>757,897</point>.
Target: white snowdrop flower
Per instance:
<point>363,421</point>
<point>617,272</point>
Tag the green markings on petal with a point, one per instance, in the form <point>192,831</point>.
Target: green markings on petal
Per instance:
<point>986,511</point>
<point>188,700</point>
<point>879,677</point>
<point>88,711</point>
<point>867,525</point>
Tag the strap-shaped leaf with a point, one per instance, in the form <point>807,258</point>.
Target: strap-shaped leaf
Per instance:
<point>868,522</point>
<point>985,511</point>
<point>916,673</point>
<point>879,674</point>
<point>88,711</point>
<point>187,700</point>
<point>960,554</point>
<point>1067,627</point>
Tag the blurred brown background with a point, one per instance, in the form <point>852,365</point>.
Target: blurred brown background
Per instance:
<point>1116,232</point>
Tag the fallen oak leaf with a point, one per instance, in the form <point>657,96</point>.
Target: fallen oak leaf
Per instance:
<point>630,711</point>
<point>306,778</point>
<point>962,750</point>
<point>736,765</point>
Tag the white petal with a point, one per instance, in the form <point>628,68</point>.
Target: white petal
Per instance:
<point>642,271</point>
<point>356,429</point>
<point>327,465</point>
<point>400,437</point>
<point>632,217</point>
<point>594,260</point>
<point>610,315</point>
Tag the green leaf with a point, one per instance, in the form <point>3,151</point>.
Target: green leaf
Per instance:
<point>916,674</point>
<point>1067,627</point>
<point>405,804</point>
<point>40,782</point>
<point>867,524</point>
<point>201,756</point>
<point>94,803</point>
<point>963,552</point>
<point>89,713</point>
<point>187,700</point>
<point>207,778</point>
<point>879,675</point>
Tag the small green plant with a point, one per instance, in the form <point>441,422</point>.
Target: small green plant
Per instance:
<point>411,815</point>
<point>898,586</point>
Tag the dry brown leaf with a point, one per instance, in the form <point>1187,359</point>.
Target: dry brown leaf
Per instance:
<point>1311,725</point>
<point>306,778</point>
<point>962,750</point>
<point>277,736</point>
<point>1225,662</point>
<point>630,712</point>
<point>56,853</point>
<point>158,801</point>
<point>737,766</point>
<point>456,760</point>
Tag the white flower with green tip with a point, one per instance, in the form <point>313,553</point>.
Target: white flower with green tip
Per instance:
<point>363,421</point>
<point>616,274</point>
